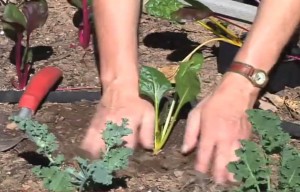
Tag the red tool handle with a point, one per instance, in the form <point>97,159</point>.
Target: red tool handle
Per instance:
<point>39,86</point>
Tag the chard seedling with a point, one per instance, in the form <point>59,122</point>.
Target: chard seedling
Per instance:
<point>58,176</point>
<point>19,22</point>
<point>84,15</point>
<point>155,85</point>
<point>255,166</point>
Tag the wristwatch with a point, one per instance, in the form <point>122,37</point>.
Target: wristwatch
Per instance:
<point>257,77</point>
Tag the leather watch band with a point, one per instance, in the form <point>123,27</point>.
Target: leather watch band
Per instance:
<point>257,77</point>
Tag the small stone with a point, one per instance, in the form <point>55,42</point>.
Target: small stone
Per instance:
<point>11,126</point>
<point>178,173</point>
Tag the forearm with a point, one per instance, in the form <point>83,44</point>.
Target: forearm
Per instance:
<point>274,25</point>
<point>116,29</point>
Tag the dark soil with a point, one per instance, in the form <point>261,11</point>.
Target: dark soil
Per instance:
<point>161,44</point>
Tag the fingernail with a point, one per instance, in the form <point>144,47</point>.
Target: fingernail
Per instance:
<point>184,148</point>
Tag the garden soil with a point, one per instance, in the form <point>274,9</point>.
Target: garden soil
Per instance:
<point>161,44</point>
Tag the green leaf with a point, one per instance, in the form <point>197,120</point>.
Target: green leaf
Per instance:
<point>102,174</point>
<point>267,125</point>
<point>187,81</point>
<point>10,31</point>
<point>36,13</point>
<point>290,169</point>
<point>251,168</point>
<point>113,134</point>
<point>117,158</point>
<point>197,11</point>
<point>56,180</point>
<point>13,15</point>
<point>162,8</point>
<point>76,3</point>
<point>153,83</point>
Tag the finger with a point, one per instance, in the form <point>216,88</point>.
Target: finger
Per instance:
<point>92,141</point>
<point>205,152</point>
<point>224,153</point>
<point>131,139</point>
<point>147,130</point>
<point>192,131</point>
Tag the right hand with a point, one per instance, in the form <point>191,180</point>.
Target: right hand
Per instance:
<point>117,103</point>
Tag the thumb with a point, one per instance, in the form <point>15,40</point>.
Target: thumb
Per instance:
<point>192,131</point>
<point>147,130</point>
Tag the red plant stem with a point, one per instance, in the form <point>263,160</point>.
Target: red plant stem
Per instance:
<point>26,66</point>
<point>86,25</point>
<point>19,58</point>
<point>232,23</point>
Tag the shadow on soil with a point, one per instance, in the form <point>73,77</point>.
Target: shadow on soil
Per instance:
<point>176,41</point>
<point>38,53</point>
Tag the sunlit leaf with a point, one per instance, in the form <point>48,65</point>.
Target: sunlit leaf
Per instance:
<point>187,81</point>
<point>13,15</point>
<point>162,8</point>
<point>153,83</point>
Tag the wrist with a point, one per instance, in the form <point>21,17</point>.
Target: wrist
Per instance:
<point>128,85</point>
<point>239,84</point>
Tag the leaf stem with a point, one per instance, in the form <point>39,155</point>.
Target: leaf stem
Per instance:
<point>169,117</point>
<point>251,174</point>
<point>170,122</point>
<point>156,129</point>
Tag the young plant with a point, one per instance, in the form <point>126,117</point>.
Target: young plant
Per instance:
<point>256,161</point>
<point>155,85</point>
<point>58,176</point>
<point>84,15</point>
<point>19,22</point>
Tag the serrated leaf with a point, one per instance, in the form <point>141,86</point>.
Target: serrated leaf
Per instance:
<point>162,8</point>
<point>102,174</point>
<point>13,15</point>
<point>114,133</point>
<point>267,125</point>
<point>56,180</point>
<point>36,13</point>
<point>251,168</point>
<point>187,81</point>
<point>117,159</point>
<point>153,83</point>
<point>290,169</point>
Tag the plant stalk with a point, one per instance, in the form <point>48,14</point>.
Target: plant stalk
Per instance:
<point>171,124</point>
<point>156,129</point>
<point>86,31</point>
<point>19,58</point>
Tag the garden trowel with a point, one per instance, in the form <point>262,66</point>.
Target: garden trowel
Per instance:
<point>34,94</point>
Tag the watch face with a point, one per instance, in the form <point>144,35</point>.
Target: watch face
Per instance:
<point>260,78</point>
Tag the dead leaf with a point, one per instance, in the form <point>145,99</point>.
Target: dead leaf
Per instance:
<point>267,106</point>
<point>274,99</point>
<point>12,126</point>
<point>169,71</point>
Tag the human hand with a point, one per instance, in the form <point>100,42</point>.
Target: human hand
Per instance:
<point>118,103</point>
<point>221,121</point>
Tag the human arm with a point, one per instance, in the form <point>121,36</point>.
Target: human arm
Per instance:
<point>220,119</point>
<point>116,25</point>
